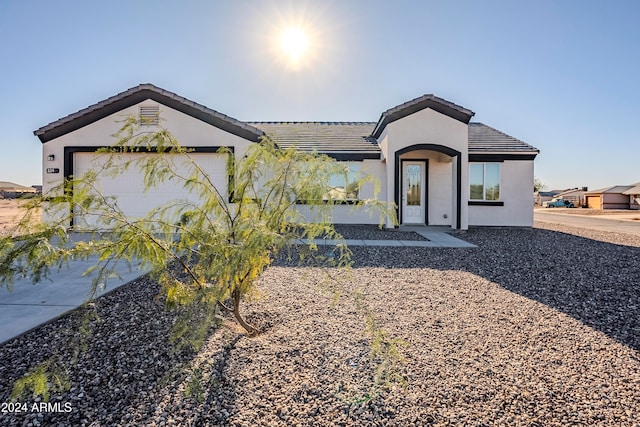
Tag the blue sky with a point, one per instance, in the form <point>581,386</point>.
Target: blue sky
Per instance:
<point>560,75</point>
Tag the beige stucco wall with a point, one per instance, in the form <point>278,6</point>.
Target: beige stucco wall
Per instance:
<point>516,191</point>
<point>608,201</point>
<point>615,201</point>
<point>430,127</point>
<point>193,133</point>
<point>186,129</point>
<point>423,127</point>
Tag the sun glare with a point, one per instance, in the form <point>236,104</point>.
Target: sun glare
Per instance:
<point>296,40</point>
<point>295,43</point>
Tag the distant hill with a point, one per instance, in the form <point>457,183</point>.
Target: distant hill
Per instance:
<point>11,186</point>
<point>10,190</point>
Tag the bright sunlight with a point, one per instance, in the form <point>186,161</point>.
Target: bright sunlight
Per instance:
<point>295,43</point>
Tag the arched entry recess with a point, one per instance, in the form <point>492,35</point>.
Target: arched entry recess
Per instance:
<point>398,177</point>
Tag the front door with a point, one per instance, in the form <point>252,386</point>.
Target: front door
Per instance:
<point>413,192</point>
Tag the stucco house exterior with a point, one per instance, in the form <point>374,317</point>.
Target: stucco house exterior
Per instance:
<point>574,195</point>
<point>615,197</point>
<point>634,196</point>
<point>544,196</point>
<point>437,166</point>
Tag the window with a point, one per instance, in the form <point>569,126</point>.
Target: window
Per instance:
<point>484,181</point>
<point>345,185</point>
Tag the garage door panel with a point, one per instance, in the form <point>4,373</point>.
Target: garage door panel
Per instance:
<point>128,187</point>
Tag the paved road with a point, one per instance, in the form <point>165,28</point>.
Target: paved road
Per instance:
<point>601,223</point>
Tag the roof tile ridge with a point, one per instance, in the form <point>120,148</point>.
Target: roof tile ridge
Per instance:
<point>428,96</point>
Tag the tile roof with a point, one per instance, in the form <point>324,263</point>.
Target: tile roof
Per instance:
<point>633,190</point>
<point>484,139</point>
<point>323,137</point>
<point>331,137</point>
<point>616,189</point>
<point>136,95</point>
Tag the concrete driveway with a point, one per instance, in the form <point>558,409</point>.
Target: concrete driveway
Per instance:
<point>29,305</point>
<point>623,223</point>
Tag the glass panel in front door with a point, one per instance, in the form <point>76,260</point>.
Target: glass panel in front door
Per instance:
<point>414,186</point>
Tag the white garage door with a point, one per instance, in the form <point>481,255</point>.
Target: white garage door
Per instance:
<point>128,187</point>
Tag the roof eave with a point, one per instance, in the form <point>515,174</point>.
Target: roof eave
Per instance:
<point>440,105</point>
<point>536,152</point>
<point>136,95</point>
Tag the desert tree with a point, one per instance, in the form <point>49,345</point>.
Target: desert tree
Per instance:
<point>206,251</point>
<point>538,185</point>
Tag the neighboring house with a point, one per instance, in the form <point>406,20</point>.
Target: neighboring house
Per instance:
<point>608,198</point>
<point>432,162</point>
<point>544,196</point>
<point>634,196</point>
<point>574,195</point>
<point>9,190</point>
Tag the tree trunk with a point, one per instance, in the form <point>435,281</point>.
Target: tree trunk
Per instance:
<point>235,299</point>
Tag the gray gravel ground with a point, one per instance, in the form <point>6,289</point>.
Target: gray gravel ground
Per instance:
<point>532,327</point>
<point>372,232</point>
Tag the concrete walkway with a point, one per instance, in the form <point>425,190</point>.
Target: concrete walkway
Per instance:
<point>436,238</point>
<point>29,305</point>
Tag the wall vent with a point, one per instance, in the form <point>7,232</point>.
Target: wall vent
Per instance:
<point>150,115</point>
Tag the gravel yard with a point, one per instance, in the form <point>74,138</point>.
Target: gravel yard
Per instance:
<point>533,327</point>
<point>372,232</point>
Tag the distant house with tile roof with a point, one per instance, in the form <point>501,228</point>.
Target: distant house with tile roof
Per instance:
<point>437,166</point>
<point>634,196</point>
<point>614,197</point>
<point>574,195</point>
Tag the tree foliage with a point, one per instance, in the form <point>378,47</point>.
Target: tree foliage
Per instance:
<point>208,250</point>
<point>218,242</point>
<point>538,185</point>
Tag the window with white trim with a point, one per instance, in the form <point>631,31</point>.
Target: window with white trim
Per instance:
<point>484,181</point>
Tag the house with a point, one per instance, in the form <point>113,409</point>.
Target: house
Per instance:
<point>615,197</point>
<point>544,196</point>
<point>9,190</point>
<point>634,196</point>
<point>574,195</point>
<point>437,166</point>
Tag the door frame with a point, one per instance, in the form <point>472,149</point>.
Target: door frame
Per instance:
<point>457,176</point>
<point>425,185</point>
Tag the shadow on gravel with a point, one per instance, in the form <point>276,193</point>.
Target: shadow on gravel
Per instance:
<point>595,282</point>
<point>122,376</point>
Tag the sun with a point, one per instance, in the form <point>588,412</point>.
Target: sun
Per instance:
<point>294,43</point>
